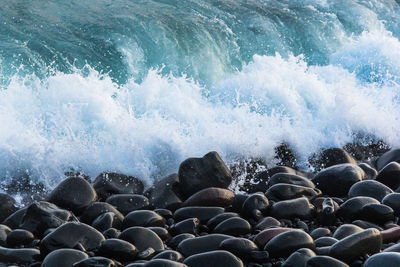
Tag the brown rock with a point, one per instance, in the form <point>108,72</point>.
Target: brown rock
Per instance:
<point>211,196</point>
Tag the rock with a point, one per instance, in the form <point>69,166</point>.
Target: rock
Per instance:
<point>391,235</point>
<point>147,254</point>
<point>214,259</point>
<point>320,232</point>
<point>107,184</point>
<point>294,208</point>
<point>22,255</point>
<point>190,226</point>
<point>145,218</point>
<point>334,156</point>
<point>387,259</point>
<point>202,213</point>
<point>169,255</point>
<point>96,262</point>
<point>393,248</point>
<point>238,202</point>
<point>266,235</point>
<point>117,249</point>
<point>98,208</point>
<point>111,233</point>
<point>74,193</point>
<point>298,258</point>
<point>349,209</point>
<point>336,180</point>
<point>326,212</point>
<point>351,247</point>
<point>165,193</point>
<point>288,178</point>
<point>211,196</point>
<point>385,159</point>
<point>393,200</point>
<point>201,244</point>
<point>325,261</point>
<point>63,258</point>
<point>370,172</point>
<point>241,247</point>
<point>105,221</point>
<point>14,220</point>
<point>280,192</point>
<point>365,225</point>
<point>235,226</point>
<point>286,243</point>
<point>255,206</point>
<point>41,216</point>
<point>390,175</point>
<point>7,206</point>
<point>19,237</point>
<point>126,203</point>
<point>4,230</point>
<point>346,230</point>
<point>166,214</point>
<point>196,174</point>
<point>267,222</point>
<point>161,232</point>
<point>214,221</point>
<point>175,241</point>
<point>377,213</point>
<point>71,235</point>
<point>142,238</point>
<point>164,263</point>
<point>325,241</point>
<point>369,188</point>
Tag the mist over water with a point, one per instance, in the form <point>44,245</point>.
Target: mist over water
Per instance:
<point>138,86</point>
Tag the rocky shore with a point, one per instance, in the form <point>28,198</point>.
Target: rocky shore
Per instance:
<point>344,214</point>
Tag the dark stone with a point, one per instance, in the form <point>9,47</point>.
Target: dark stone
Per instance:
<point>107,184</point>
<point>105,221</point>
<point>72,235</point>
<point>63,258</point>
<point>7,206</point>
<point>147,254</point>
<point>294,208</point>
<point>201,244</point>
<point>350,248</point>
<point>391,235</point>
<point>98,208</point>
<point>325,261</point>
<point>298,258</point>
<point>241,247</point>
<point>19,237</point>
<point>111,233</point>
<point>42,215</point>
<point>393,200</point>
<point>286,243</point>
<point>175,241</point>
<point>211,196</point>
<point>126,203</point>
<point>190,226</point>
<point>287,178</point>
<point>22,255</point>
<point>337,180</point>
<point>385,159</point>
<point>267,222</point>
<point>202,213</point>
<point>326,214</point>
<point>214,259</point>
<point>390,175</point>
<point>365,225</point>
<point>349,209</point>
<point>369,188</point>
<point>164,263</point>
<point>4,230</point>
<point>320,232</point>
<point>117,249</point>
<point>167,214</point>
<point>142,238</point>
<point>14,220</point>
<point>280,192</point>
<point>161,232</point>
<point>346,230</point>
<point>169,255</point>
<point>266,235</point>
<point>165,194</point>
<point>377,213</point>
<point>144,218</point>
<point>74,193</point>
<point>238,202</point>
<point>387,259</point>
<point>214,221</point>
<point>96,262</point>
<point>196,174</point>
<point>393,248</point>
<point>325,241</point>
<point>255,206</point>
<point>370,172</point>
<point>235,226</point>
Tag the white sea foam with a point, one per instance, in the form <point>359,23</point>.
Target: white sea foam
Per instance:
<point>88,123</point>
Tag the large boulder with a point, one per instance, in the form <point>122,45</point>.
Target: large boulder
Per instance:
<point>196,174</point>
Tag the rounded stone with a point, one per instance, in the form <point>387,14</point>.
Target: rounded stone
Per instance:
<point>161,232</point>
<point>241,247</point>
<point>96,209</point>
<point>169,255</point>
<point>211,196</point>
<point>163,263</point>
<point>142,238</point>
<point>126,203</point>
<point>280,192</point>
<point>267,222</point>
<point>390,175</point>
<point>105,221</point>
<point>370,172</point>
<point>288,178</point>
<point>107,184</point>
<point>144,218</point>
<point>74,193</point>
<point>255,206</point>
<point>320,232</point>
<point>4,231</point>
<point>391,235</point>
<point>214,259</point>
<point>350,208</point>
<point>201,244</point>
<point>63,258</point>
<point>7,206</point>
<point>294,208</point>
<point>96,262</point>
<point>325,241</point>
<point>387,259</point>
<point>369,188</point>
<point>214,221</point>
<point>20,255</point>
<point>190,226</point>
<point>298,258</point>
<point>377,213</point>
<point>325,261</point>
<point>393,200</point>
<point>19,237</point>
<point>286,243</point>
<point>386,158</point>
<point>345,230</point>
<point>175,241</point>
<point>266,235</point>
<point>117,249</point>
<point>235,226</point>
<point>202,213</point>
<point>165,193</point>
